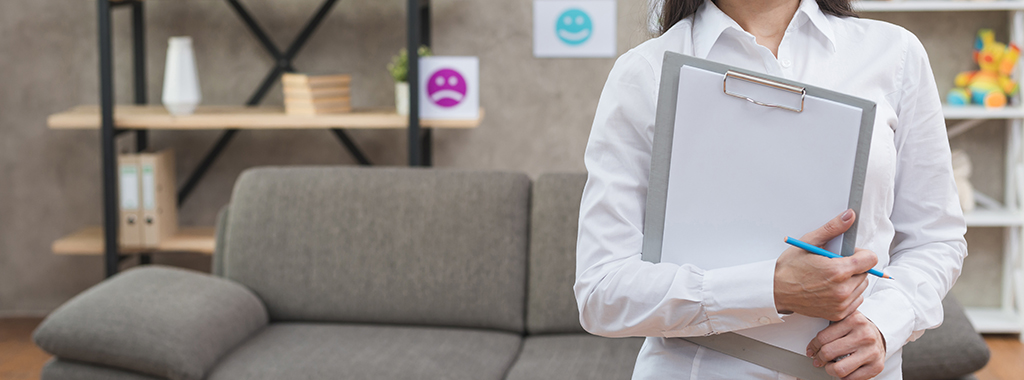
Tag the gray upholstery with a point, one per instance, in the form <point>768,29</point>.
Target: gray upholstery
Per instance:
<point>155,320</point>
<point>551,306</point>
<point>57,369</point>
<point>334,351</point>
<point>953,350</point>
<point>218,249</point>
<point>399,246</point>
<point>421,274</point>
<point>576,356</point>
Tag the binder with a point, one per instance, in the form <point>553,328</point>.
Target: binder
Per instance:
<point>130,225</point>
<point>741,160</point>
<point>159,210</point>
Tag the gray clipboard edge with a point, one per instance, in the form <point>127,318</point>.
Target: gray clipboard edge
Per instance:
<point>762,354</point>
<point>860,167</point>
<point>664,125</point>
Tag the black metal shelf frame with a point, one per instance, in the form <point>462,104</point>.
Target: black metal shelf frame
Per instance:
<point>420,139</point>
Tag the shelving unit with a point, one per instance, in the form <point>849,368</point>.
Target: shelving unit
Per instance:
<point>241,117</point>
<point>974,112</point>
<point>1007,214</point>
<point>936,5</point>
<point>89,241</point>
<point>139,118</point>
<point>994,218</point>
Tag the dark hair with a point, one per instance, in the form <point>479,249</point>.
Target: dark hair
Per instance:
<point>672,11</point>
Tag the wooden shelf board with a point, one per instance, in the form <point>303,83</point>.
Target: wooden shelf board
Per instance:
<point>994,320</point>
<point>936,5</point>
<point>241,117</point>
<point>89,241</point>
<point>980,112</point>
<point>994,218</point>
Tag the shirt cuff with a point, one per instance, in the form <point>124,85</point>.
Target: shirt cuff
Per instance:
<point>740,297</point>
<point>893,314</point>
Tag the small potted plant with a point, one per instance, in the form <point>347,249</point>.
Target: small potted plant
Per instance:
<point>399,69</point>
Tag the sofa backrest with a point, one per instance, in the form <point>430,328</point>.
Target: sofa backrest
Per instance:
<point>395,245</point>
<point>551,306</point>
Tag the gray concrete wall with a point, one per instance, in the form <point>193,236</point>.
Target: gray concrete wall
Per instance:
<point>538,111</point>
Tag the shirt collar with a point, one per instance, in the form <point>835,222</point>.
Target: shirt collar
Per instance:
<point>710,23</point>
<point>810,10</point>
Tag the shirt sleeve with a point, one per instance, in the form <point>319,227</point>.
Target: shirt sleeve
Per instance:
<point>928,248</point>
<point>617,293</point>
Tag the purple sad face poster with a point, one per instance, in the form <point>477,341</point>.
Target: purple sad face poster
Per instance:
<point>449,87</point>
<point>446,88</point>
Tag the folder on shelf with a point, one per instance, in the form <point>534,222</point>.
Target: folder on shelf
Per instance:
<point>159,208</point>
<point>130,226</point>
<point>741,160</point>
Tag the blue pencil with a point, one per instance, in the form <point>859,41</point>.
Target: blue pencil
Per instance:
<point>822,252</point>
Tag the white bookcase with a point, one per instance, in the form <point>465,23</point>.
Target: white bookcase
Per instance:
<point>936,5</point>
<point>1007,213</point>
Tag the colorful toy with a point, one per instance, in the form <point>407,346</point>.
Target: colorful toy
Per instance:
<point>991,84</point>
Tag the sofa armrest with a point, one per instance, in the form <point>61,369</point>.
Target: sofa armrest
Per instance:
<point>950,351</point>
<point>155,320</point>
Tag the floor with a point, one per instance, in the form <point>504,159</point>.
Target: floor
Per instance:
<point>1007,360</point>
<point>22,360</point>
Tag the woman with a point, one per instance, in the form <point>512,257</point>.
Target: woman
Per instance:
<point>910,222</point>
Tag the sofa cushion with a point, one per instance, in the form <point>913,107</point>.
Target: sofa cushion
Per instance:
<point>576,356</point>
<point>393,245</point>
<point>57,369</point>
<point>155,320</point>
<point>553,228</point>
<point>948,352</point>
<point>332,351</point>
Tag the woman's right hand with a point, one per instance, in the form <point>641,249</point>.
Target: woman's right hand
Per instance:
<point>818,286</point>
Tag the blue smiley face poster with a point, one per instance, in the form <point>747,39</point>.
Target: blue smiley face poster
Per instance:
<point>574,28</point>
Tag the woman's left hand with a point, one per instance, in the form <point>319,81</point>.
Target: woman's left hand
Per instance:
<point>856,342</point>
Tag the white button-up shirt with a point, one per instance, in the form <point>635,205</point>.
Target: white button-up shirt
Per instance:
<point>910,215</point>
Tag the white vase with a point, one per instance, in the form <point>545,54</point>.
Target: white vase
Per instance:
<point>181,81</point>
<point>402,98</point>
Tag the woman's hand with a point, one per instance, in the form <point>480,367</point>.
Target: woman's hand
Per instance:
<point>821,287</point>
<point>856,342</point>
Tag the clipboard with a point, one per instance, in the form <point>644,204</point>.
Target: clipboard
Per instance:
<point>740,160</point>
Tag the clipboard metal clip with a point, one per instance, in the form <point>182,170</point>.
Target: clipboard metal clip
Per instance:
<point>764,82</point>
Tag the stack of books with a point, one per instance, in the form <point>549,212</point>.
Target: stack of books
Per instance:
<point>316,94</point>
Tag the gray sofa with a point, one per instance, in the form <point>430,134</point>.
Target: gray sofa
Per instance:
<point>328,273</point>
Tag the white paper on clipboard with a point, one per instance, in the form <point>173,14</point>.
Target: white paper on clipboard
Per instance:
<point>743,176</point>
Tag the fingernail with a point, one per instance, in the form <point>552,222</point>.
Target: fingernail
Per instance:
<point>847,215</point>
<point>809,353</point>
<point>817,363</point>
